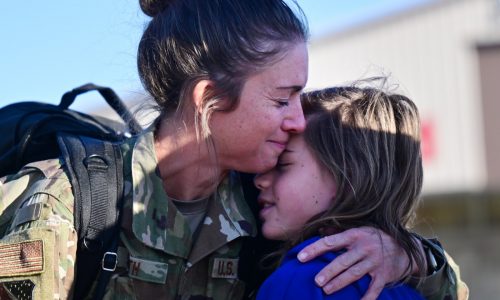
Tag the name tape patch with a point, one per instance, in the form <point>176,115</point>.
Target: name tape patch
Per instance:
<point>147,270</point>
<point>225,268</point>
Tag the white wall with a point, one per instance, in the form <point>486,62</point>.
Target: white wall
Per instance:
<point>431,53</point>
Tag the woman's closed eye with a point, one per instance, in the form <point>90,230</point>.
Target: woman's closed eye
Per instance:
<point>282,101</point>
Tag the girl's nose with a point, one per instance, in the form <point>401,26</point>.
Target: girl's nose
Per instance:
<point>262,181</point>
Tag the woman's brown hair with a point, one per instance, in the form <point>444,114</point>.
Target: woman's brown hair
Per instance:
<point>225,41</point>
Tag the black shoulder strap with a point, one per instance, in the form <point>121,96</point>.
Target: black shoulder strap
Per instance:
<point>111,98</point>
<point>95,168</point>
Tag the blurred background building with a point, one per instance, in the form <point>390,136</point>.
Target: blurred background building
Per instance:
<point>444,55</point>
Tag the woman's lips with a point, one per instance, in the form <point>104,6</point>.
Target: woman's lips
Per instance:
<point>279,145</point>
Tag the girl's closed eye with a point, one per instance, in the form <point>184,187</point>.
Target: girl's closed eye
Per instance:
<point>296,177</point>
<point>285,160</point>
<point>281,165</point>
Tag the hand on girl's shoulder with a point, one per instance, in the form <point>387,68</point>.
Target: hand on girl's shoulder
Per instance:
<point>295,280</point>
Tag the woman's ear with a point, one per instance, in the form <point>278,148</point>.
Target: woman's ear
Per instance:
<point>201,91</point>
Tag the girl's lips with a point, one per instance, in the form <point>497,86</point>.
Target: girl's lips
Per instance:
<point>264,210</point>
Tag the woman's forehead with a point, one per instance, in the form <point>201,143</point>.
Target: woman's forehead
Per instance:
<point>289,73</point>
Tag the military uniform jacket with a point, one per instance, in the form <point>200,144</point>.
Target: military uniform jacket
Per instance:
<point>157,257</point>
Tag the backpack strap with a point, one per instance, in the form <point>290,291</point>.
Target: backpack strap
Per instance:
<point>95,169</point>
<point>111,98</point>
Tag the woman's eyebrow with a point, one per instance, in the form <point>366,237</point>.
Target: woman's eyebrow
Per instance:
<point>294,88</point>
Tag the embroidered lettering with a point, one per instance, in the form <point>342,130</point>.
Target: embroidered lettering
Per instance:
<point>225,268</point>
<point>148,270</point>
<point>135,266</point>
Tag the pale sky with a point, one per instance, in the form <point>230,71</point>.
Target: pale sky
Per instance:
<point>49,47</point>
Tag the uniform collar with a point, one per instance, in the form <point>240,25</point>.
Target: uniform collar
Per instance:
<point>158,224</point>
<point>228,218</point>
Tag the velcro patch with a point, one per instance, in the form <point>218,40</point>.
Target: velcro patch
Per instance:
<point>147,270</point>
<point>27,214</point>
<point>225,268</point>
<point>17,290</point>
<point>23,258</point>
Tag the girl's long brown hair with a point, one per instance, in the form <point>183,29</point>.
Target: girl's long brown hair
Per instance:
<point>370,141</point>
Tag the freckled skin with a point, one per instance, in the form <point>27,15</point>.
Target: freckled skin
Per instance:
<point>251,137</point>
<point>294,191</point>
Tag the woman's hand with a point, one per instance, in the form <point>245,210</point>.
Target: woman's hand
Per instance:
<point>369,251</point>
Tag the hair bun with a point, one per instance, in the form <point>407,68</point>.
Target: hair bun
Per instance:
<point>154,7</point>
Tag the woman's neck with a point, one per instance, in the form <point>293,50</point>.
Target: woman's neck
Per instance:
<point>187,167</point>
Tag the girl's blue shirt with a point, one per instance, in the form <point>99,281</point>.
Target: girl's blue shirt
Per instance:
<point>295,280</point>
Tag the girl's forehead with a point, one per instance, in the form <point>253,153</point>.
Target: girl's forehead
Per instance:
<point>295,142</point>
<point>296,146</point>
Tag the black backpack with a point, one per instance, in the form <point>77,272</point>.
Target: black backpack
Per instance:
<point>89,145</point>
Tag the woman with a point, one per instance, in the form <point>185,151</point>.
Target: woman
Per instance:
<point>226,75</point>
<point>360,144</point>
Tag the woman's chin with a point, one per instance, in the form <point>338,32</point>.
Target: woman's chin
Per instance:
<point>264,166</point>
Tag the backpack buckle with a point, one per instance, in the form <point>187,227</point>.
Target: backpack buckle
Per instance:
<point>109,261</point>
<point>95,162</point>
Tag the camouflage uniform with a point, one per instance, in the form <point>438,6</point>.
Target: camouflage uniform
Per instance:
<point>157,257</point>
<point>37,251</point>
<point>445,283</point>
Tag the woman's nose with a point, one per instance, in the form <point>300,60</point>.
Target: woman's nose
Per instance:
<point>295,122</point>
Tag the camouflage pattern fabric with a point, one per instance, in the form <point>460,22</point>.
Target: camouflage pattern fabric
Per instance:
<point>157,257</point>
<point>445,284</point>
<point>461,289</point>
<point>37,251</point>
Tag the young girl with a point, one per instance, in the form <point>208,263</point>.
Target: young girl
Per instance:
<point>358,163</point>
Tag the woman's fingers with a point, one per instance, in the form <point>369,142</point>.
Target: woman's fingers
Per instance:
<point>376,286</point>
<point>369,251</point>
<point>329,243</point>
<point>353,272</point>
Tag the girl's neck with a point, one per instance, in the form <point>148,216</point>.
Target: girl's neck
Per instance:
<point>188,169</point>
